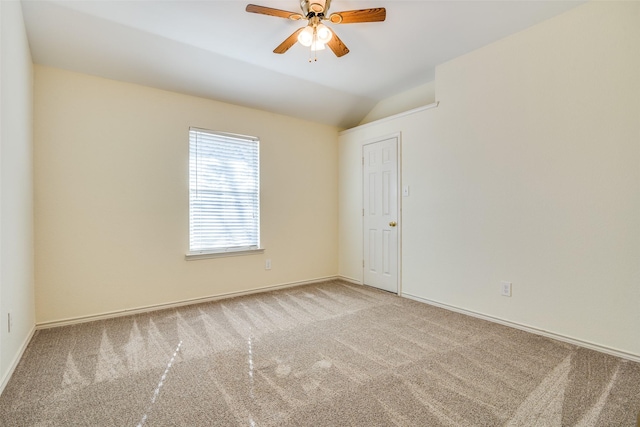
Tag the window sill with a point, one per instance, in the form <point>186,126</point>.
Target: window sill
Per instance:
<point>192,256</point>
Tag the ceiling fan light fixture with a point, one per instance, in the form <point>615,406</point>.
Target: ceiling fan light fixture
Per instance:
<point>306,37</point>
<point>324,33</point>
<point>316,35</point>
<point>317,45</point>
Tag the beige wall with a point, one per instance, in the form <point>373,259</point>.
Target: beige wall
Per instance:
<point>419,96</point>
<point>16,194</point>
<point>528,171</point>
<point>111,170</point>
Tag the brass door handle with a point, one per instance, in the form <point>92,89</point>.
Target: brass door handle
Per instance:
<point>393,224</point>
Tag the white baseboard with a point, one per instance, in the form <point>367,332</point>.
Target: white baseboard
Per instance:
<point>174,304</point>
<point>16,359</point>
<point>350,280</point>
<point>581,343</point>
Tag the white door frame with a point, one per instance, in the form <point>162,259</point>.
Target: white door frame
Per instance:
<point>398,136</point>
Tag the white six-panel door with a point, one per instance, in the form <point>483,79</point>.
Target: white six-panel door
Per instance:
<point>380,182</point>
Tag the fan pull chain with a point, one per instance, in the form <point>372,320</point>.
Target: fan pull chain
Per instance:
<point>314,42</point>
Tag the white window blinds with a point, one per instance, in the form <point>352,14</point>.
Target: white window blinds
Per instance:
<point>224,192</point>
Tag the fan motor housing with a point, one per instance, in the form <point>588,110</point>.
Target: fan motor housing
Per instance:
<point>315,7</point>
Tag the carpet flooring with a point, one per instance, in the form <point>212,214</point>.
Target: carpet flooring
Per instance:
<point>326,354</point>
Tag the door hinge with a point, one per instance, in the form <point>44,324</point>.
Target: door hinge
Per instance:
<point>362,211</point>
<point>363,161</point>
<point>362,263</point>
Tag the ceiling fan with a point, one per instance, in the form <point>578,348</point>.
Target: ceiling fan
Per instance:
<point>316,35</point>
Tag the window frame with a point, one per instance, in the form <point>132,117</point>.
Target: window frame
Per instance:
<point>223,251</point>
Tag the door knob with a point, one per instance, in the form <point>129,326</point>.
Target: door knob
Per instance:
<point>393,223</point>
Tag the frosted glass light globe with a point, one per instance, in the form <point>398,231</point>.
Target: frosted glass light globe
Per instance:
<point>306,37</point>
<point>324,33</point>
<point>317,45</point>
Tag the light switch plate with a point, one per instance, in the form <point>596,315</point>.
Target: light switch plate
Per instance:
<point>505,289</point>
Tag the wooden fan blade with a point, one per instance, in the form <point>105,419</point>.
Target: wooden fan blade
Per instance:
<point>377,14</point>
<point>273,12</point>
<point>290,41</point>
<point>337,46</point>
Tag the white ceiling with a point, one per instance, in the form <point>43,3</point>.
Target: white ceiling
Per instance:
<point>215,49</point>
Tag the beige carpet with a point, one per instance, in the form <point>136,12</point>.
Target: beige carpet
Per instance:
<point>330,354</point>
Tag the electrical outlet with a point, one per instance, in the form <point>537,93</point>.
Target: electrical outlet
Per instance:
<point>505,289</point>
<point>405,191</point>
<point>267,264</point>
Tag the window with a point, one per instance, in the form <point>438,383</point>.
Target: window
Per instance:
<point>224,193</point>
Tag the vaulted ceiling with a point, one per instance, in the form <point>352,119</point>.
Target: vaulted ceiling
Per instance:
<point>215,49</point>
